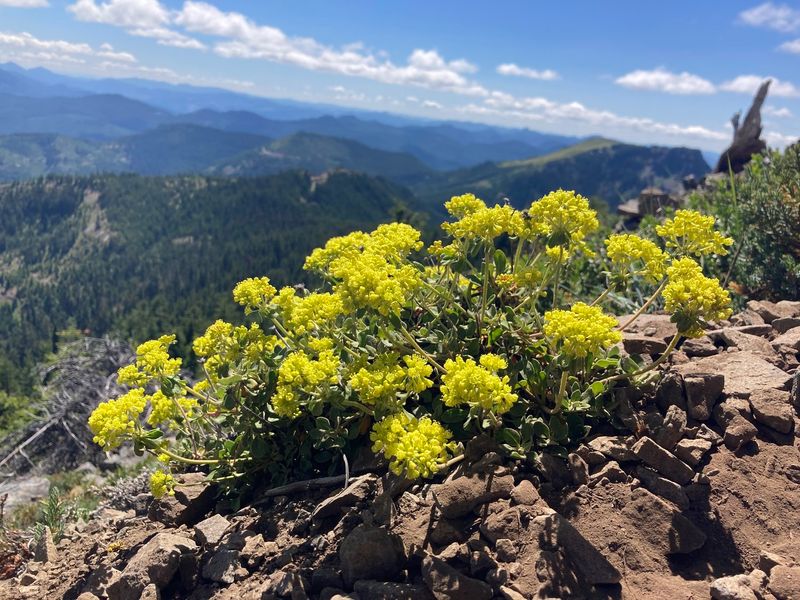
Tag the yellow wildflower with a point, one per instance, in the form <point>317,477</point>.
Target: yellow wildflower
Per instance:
<point>415,447</point>
<point>637,256</point>
<point>162,483</point>
<point>253,293</point>
<point>131,376</point>
<point>418,373</point>
<point>487,223</point>
<point>691,297</point>
<point>166,409</point>
<point>299,375</point>
<point>582,330</point>
<point>379,381</point>
<point>691,232</point>
<point>461,206</point>
<point>152,358</point>
<point>115,420</point>
<point>565,218</point>
<point>467,382</point>
<point>314,310</point>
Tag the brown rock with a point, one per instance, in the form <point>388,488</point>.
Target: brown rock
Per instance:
<point>578,469</point>
<point>388,590</point>
<point>651,325</point>
<point>371,553</point>
<point>784,324</point>
<point>663,461</point>
<point>692,451</point>
<point>699,347</point>
<point>459,494</point>
<point>784,582</point>
<point>747,317</point>
<point>447,583</point>
<point>505,524</point>
<point>613,446</point>
<point>640,344</point>
<point>45,550</point>
<point>773,409</point>
<point>746,342</point>
<point>790,339</point>
<point>156,562</point>
<point>611,472</point>
<point>702,392</point>
<point>739,432</point>
<point>358,491</point>
<point>744,372</point>
<point>211,530</point>
<point>666,526</point>
<point>672,429</point>
<point>193,499</point>
<point>669,490</point>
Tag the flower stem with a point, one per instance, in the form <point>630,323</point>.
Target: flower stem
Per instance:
<point>645,306</point>
<point>418,348</point>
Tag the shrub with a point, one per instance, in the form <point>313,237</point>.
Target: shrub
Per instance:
<point>414,352</point>
<point>760,209</point>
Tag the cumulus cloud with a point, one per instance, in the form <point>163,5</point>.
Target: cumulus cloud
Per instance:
<point>792,46</point>
<point>143,18</point>
<point>28,42</point>
<point>514,70</point>
<point>661,80</point>
<point>780,140</point>
<point>24,3</point>
<point>779,17</point>
<point>432,104</point>
<point>748,84</point>
<point>777,112</point>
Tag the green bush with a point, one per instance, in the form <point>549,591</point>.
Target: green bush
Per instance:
<point>415,353</point>
<point>760,209</point>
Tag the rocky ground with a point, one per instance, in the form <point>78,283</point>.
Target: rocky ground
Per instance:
<point>701,500</point>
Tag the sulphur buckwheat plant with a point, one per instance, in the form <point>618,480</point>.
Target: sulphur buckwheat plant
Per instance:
<point>410,353</point>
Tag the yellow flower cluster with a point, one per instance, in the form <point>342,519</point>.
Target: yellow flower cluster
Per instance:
<point>222,344</point>
<point>582,330</point>
<point>253,293</point>
<point>466,382</point>
<point>415,447</point>
<point>368,270</point>
<point>114,420</point>
<point>691,296</point>
<point>486,223</point>
<point>312,311</point>
<point>692,232</point>
<point>564,217</point>
<point>152,361</point>
<point>385,377</point>
<point>301,374</point>
<point>166,409</point>
<point>461,206</point>
<point>161,483</point>
<point>637,256</point>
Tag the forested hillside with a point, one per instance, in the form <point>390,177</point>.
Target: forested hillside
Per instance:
<point>138,256</point>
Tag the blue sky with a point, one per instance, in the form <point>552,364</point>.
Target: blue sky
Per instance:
<point>669,73</point>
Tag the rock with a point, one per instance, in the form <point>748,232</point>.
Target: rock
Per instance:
<point>554,470</point>
<point>699,347</point>
<point>739,587</point>
<point>702,392</point>
<point>670,391</point>
<point>358,491</point>
<point>708,434</point>
<point>87,596</point>
<point>211,531</point>
<point>447,583</point>
<point>671,431</point>
<point>743,372</point>
<point>156,562</point>
<point>747,317</point>
<point>459,494</point>
<point>224,566</point>
<point>692,451</point>
<point>611,472</point>
<point>504,524</point>
<point>640,344</point>
<point>578,469</point>
<point>386,590</point>
<point>371,553</point>
<point>663,461</point>
<point>766,310</point>
<point>151,592</point>
<point>613,446</point>
<point>790,339</point>
<point>557,532</point>
<point>45,550</point>
<point>508,593</point>
<point>795,393</point>
<point>773,409</point>
<point>768,560</point>
<point>651,325</point>
<point>739,432</point>
<point>745,342</point>
<point>666,526</point>
<point>506,550</point>
<point>525,493</point>
<point>784,582</point>
<point>193,499</point>
<point>287,584</point>
<point>665,488</point>
<point>784,324</point>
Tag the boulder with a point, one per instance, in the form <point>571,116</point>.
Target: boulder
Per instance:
<point>739,587</point>
<point>739,432</point>
<point>611,472</point>
<point>616,447</point>
<point>784,324</point>
<point>702,392</point>
<point>651,325</point>
<point>692,451</point>
<point>667,528</point>
<point>663,461</point>
<point>211,530</point>
<point>193,499</point>
<point>670,391</point>
<point>773,409</point>
<point>784,582</point>
<point>743,372</point>
<point>156,562</point>
<point>460,493</point>
<point>447,583</point>
<point>672,428</point>
<point>790,339</point>
<point>371,553</point>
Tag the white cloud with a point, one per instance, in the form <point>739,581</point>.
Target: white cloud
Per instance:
<point>26,41</point>
<point>143,18</point>
<point>792,46</point>
<point>243,38</point>
<point>778,113</point>
<point>661,80</point>
<point>779,17</point>
<point>514,70</point>
<point>748,84</point>
<point>779,140</point>
<point>24,3</point>
<point>432,104</point>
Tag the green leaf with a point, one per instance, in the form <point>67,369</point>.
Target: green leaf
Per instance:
<point>500,261</point>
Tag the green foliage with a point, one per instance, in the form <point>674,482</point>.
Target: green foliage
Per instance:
<point>15,412</point>
<point>133,255</point>
<point>760,209</point>
<point>53,514</point>
<point>414,353</point>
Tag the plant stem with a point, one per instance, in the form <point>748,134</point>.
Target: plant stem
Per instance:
<point>601,297</point>
<point>485,289</point>
<point>660,360</point>
<point>418,348</point>
<point>188,461</point>
<point>645,306</point>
